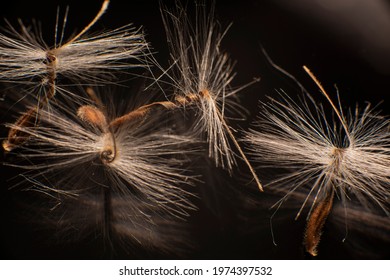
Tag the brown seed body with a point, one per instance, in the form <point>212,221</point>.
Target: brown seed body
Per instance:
<point>316,223</point>
<point>16,137</point>
<point>93,116</point>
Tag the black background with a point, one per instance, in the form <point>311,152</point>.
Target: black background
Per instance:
<point>292,37</point>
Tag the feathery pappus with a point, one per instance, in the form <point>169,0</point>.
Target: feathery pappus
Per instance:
<point>200,75</point>
<point>111,148</point>
<point>25,56</point>
<point>26,59</point>
<point>347,156</point>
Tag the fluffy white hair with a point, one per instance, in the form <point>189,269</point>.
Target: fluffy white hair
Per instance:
<point>347,155</point>
<point>78,144</point>
<point>26,58</point>
<point>201,75</point>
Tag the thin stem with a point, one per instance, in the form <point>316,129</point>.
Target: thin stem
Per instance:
<point>96,18</point>
<point>313,77</point>
<point>140,112</point>
<point>190,98</point>
<point>230,133</point>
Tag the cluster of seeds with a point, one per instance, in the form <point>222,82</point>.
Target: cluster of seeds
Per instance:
<point>129,156</point>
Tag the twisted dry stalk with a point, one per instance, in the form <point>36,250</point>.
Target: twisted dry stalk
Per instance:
<point>31,117</point>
